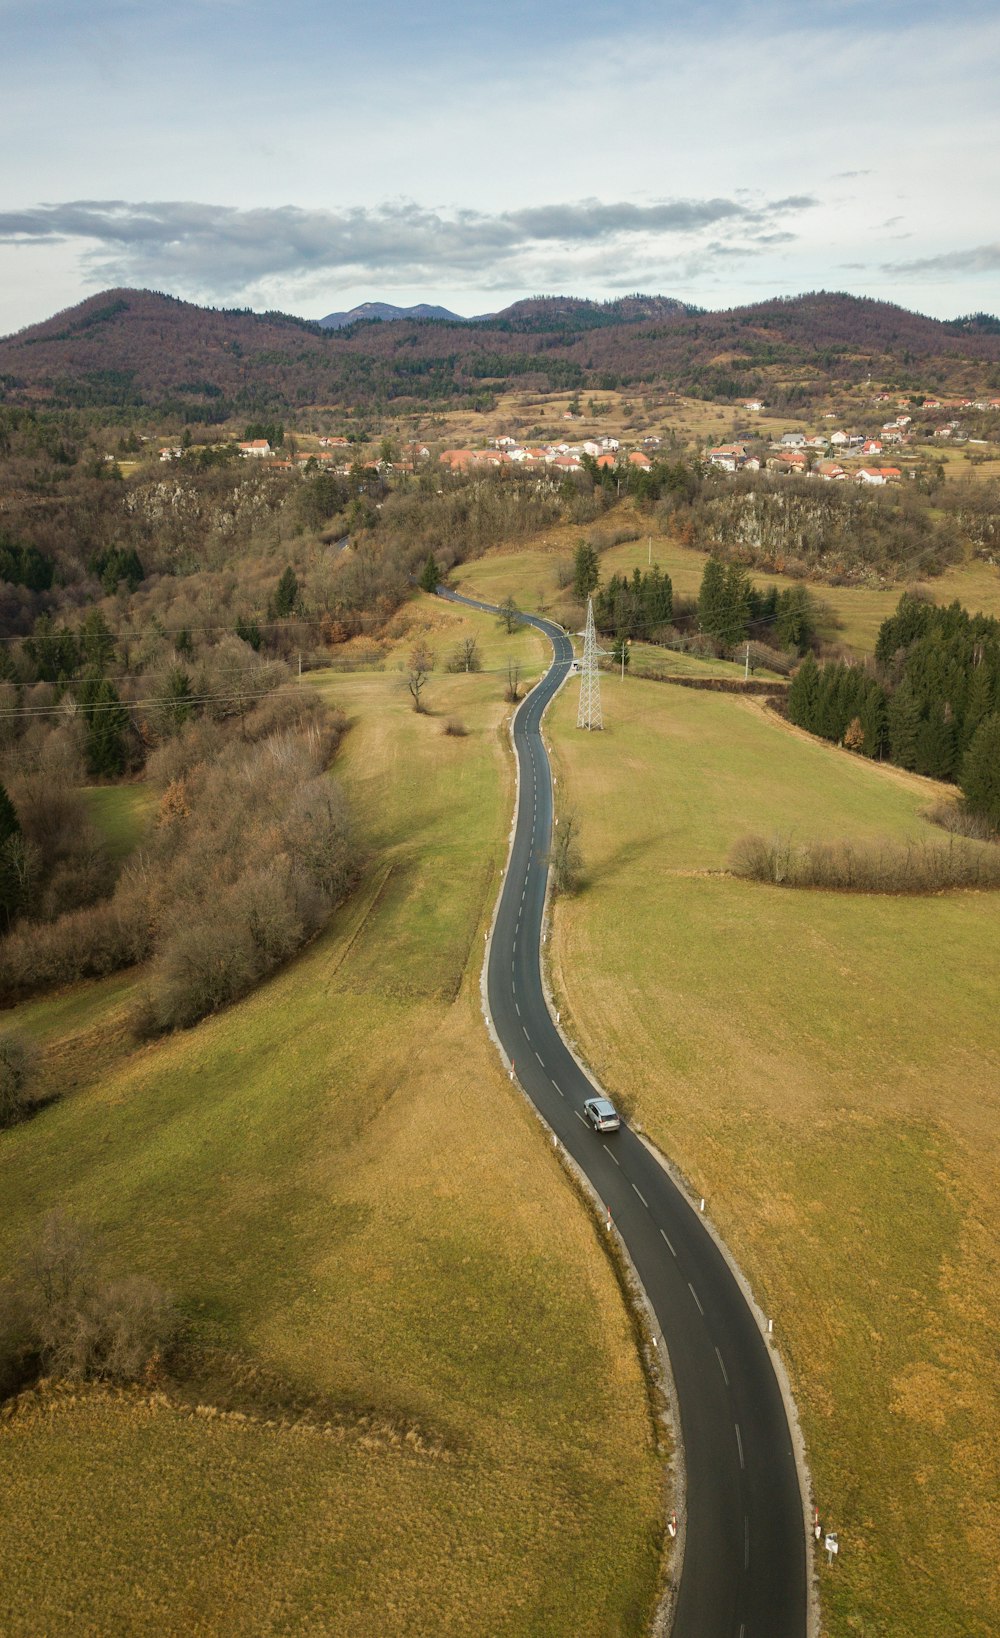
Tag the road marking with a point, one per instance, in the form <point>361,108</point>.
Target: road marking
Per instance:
<point>524,1032</point>
<point>538,1056</point>
<point>579,1116</point>
<point>645,1202</point>
<point>667,1238</point>
<point>722,1367</point>
<point>517,1008</point>
<point>743,1629</point>
<point>746,1542</point>
<point>617,1163</point>
<point>559,1090</point>
<point>695,1296</point>
<point>739,1442</point>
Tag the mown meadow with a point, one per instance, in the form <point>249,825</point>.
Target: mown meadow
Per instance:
<point>823,1067</point>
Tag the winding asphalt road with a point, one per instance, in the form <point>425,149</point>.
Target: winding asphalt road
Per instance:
<point>744,1567</point>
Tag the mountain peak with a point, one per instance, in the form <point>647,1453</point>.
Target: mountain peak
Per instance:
<point>384,312</point>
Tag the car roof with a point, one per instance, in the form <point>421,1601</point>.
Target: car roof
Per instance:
<point>603,1105</point>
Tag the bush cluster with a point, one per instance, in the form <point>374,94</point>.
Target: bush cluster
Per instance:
<point>865,867</point>
<point>251,850</point>
<point>74,1320</point>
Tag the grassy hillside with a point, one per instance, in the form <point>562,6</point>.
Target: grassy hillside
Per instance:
<point>336,1181</point>
<point>824,1068</point>
<point>530,573</point>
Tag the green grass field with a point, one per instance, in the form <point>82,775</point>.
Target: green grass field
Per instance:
<point>824,1069</point>
<point>336,1181</point>
<point>119,813</point>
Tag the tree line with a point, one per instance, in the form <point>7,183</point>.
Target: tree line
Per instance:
<point>929,702</point>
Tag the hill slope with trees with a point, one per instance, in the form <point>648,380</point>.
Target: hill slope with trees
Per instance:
<point>126,349</point>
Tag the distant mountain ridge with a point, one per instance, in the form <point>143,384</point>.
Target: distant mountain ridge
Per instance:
<point>126,350</point>
<point>387,313</point>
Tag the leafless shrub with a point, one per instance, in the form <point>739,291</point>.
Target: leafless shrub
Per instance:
<point>17,1065</point>
<point>203,966</point>
<point>886,866</point>
<point>765,658</point>
<point>88,943</point>
<point>66,864</point>
<point>955,816</point>
<point>603,539</point>
<point>455,727</point>
<point>77,1321</point>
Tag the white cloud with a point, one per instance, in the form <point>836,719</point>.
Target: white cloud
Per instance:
<point>221,251</point>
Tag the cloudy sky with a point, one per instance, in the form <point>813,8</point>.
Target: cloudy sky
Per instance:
<point>467,153</point>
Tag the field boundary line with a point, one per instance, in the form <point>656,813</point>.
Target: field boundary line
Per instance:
<point>382,882</point>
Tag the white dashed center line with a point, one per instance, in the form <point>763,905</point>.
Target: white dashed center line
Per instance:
<point>739,1444</point>
<point>666,1237</point>
<point>695,1296</point>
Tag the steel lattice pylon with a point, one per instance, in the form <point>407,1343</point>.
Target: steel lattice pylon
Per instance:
<point>589,714</point>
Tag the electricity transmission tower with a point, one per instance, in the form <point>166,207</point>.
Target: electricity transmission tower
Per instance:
<point>589,714</point>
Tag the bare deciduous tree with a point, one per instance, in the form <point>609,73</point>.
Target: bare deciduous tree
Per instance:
<point>509,614</point>
<point>513,690</point>
<point>565,858</point>
<point>421,664</point>
<point>465,656</point>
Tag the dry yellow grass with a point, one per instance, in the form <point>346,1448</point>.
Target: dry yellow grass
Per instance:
<point>825,1069</point>
<point>336,1179</point>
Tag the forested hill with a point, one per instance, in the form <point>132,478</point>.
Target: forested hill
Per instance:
<point>134,348</point>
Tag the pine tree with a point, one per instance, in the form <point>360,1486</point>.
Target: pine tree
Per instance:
<point>936,744</point>
<point>903,725</point>
<point>981,770</point>
<point>978,702</point>
<point>620,652</point>
<point>429,574</point>
<point>97,642</point>
<point>794,619</point>
<point>107,725</point>
<point>178,693</point>
<point>735,606</point>
<point>804,693</point>
<point>872,714</point>
<point>712,599</point>
<point>586,571</point>
<point>287,595</point>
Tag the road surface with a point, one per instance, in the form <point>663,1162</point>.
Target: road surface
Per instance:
<point>744,1565</point>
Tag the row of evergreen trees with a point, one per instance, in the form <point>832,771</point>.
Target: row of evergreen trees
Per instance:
<point>732,608</point>
<point>930,703</point>
<point>636,606</point>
